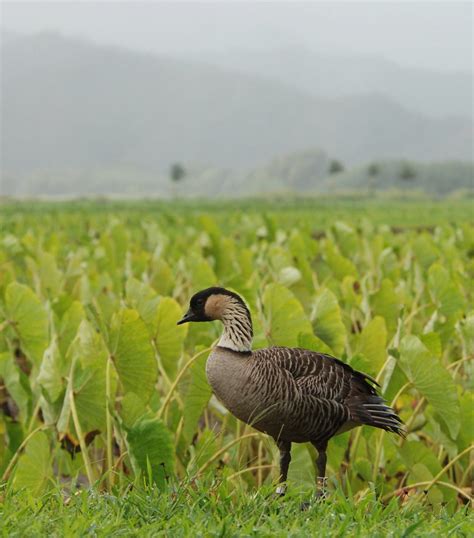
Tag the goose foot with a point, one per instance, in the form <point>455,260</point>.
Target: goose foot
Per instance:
<point>280,491</point>
<point>321,487</point>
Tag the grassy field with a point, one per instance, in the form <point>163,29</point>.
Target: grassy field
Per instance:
<point>108,426</point>
<point>212,510</point>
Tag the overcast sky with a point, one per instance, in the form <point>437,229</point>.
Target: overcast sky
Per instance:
<point>435,35</point>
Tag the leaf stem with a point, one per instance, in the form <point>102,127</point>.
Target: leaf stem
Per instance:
<point>82,443</point>
<point>224,449</point>
<point>177,380</point>
<point>429,485</point>
<point>109,425</point>
<point>18,451</point>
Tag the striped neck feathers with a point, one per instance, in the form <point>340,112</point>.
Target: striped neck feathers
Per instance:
<point>235,316</point>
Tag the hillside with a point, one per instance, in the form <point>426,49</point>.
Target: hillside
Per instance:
<point>71,108</point>
<point>433,93</point>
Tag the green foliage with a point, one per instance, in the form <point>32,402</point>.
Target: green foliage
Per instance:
<point>34,470</point>
<point>327,321</point>
<point>151,448</point>
<point>432,380</point>
<point>132,353</point>
<point>90,352</point>
<point>285,317</point>
<point>28,319</point>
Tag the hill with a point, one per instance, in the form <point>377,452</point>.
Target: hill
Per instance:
<point>72,108</point>
<point>433,93</point>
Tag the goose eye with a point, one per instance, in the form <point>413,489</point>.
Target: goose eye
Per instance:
<point>199,301</point>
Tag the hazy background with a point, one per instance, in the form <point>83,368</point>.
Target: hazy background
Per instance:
<point>244,98</point>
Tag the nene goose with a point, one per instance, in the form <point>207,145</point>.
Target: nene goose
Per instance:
<point>294,395</point>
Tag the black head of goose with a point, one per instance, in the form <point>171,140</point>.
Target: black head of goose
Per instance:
<point>292,394</point>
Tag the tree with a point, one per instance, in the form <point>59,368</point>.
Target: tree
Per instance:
<point>335,167</point>
<point>373,170</point>
<point>407,172</point>
<point>177,172</point>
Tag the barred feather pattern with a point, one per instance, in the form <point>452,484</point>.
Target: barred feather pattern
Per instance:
<point>292,394</point>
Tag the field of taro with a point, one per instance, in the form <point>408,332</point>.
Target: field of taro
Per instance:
<point>99,386</point>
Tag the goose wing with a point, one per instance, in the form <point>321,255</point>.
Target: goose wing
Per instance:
<point>348,394</point>
<point>318,374</point>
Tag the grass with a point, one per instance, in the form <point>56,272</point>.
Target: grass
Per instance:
<point>319,211</point>
<point>215,509</point>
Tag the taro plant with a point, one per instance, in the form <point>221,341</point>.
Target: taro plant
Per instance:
<point>98,385</point>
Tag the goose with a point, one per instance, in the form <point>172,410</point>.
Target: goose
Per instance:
<point>293,395</point>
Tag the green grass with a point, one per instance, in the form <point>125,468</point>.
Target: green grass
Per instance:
<point>320,211</point>
<point>215,510</point>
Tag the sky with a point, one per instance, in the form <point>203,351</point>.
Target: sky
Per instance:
<point>432,35</point>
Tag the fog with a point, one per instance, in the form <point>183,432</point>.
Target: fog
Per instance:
<point>249,97</point>
<point>434,35</point>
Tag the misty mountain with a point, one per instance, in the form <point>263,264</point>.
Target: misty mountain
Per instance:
<point>69,106</point>
<point>433,93</point>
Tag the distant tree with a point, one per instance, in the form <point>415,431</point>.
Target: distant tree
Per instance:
<point>335,167</point>
<point>177,172</point>
<point>373,170</point>
<point>407,172</point>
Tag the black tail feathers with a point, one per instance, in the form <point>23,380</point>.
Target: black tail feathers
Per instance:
<point>373,412</point>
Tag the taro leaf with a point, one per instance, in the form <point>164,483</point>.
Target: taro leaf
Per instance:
<point>301,470</point>
<point>327,321</point>
<point>285,317</point>
<point>432,342</point>
<point>168,336</point>
<point>88,358</point>
<point>287,276</point>
<point>132,408</point>
<point>162,277</point>
<point>196,396</point>
<point>346,238</point>
<point>50,373</point>
<point>33,470</point>
<point>340,266</point>
<point>466,331</point>
<point>30,320</point>
<point>464,438</point>
<point>313,343</point>
<point>12,379</point>
<point>50,276</point>
<point>202,450</point>
<point>386,303</point>
<point>133,353</point>
<point>201,273</point>
<point>373,342</point>
<point>432,380</point>
<point>151,449</point>
<point>69,325</point>
<point>444,292</point>
<point>143,298</point>
<point>423,465</point>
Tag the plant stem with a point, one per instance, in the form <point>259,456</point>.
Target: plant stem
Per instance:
<point>82,443</point>
<point>109,426</point>
<point>224,449</point>
<point>428,484</point>
<point>18,451</point>
<point>177,380</point>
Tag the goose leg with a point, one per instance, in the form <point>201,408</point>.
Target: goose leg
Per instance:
<point>285,458</point>
<point>321,479</point>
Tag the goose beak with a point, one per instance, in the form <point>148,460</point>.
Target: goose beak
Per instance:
<point>189,316</point>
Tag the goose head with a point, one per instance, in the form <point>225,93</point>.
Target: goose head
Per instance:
<point>225,305</point>
<point>211,304</point>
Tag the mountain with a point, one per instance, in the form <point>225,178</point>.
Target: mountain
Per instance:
<point>432,93</point>
<point>71,109</point>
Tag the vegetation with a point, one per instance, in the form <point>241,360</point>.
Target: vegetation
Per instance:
<point>335,167</point>
<point>100,388</point>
